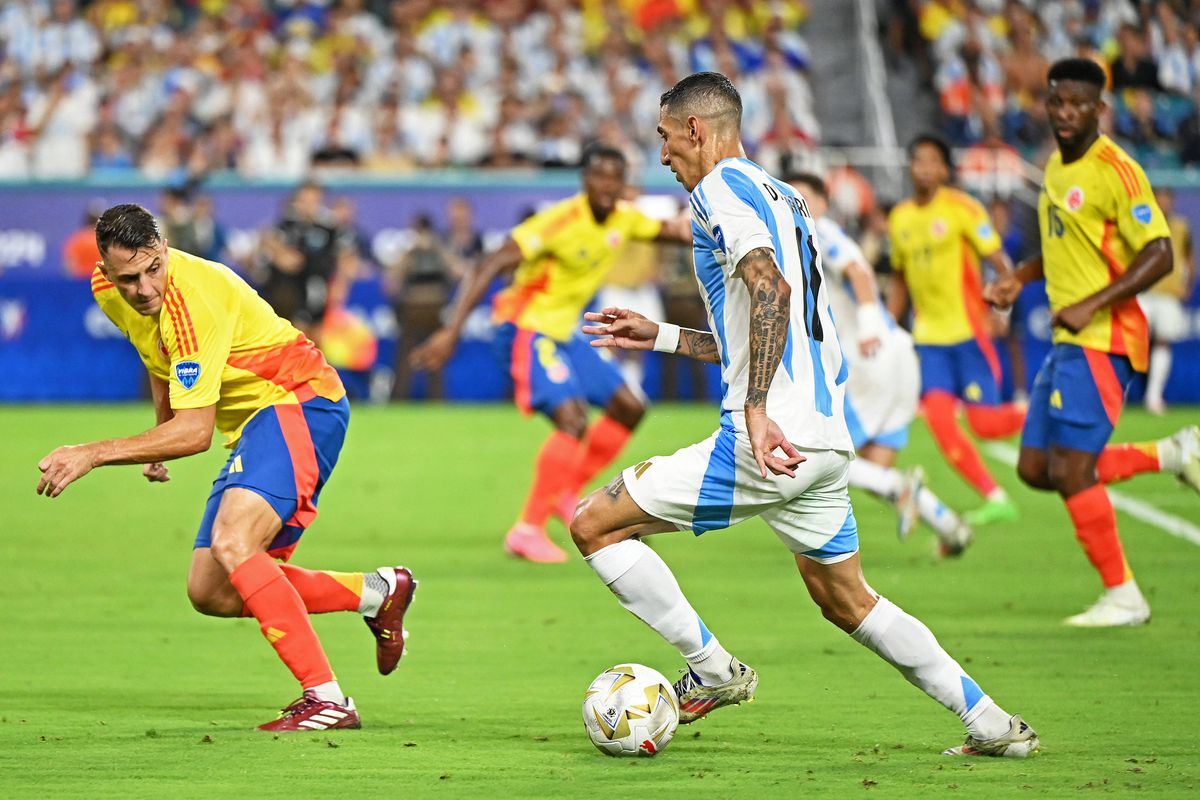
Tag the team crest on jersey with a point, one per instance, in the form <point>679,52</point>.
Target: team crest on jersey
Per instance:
<point>1142,213</point>
<point>188,372</point>
<point>938,227</point>
<point>1074,198</point>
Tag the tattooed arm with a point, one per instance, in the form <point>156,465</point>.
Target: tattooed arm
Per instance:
<point>629,330</point>
<point>770,311</point>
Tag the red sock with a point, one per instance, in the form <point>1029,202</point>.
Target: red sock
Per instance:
<point>604,440</point>
<point>551,475</point>
<point>1121,462</point>
<point>940,416</point>
<point>274,602</point>
<point>995,422</point>
<point>1096,529</point>
<point>323,591</point>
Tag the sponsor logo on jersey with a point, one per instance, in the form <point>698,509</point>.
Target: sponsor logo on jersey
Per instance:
<point>1074,199</point>
<point>188,372</point>
<point>1142,213</point>
<point>719,235</point>
<point>984,231</point>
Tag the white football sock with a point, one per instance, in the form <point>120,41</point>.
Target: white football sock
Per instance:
<point>935,513</point>
<point>376,587</point>
<point>881,481</point>
<point>648,590</point>
<point>329,691</point>
<point>905,643</point>
<point>1160,370</point>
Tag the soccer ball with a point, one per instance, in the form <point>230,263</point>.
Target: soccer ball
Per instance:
<point>630,710</point>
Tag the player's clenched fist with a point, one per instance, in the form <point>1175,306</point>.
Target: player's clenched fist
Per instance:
<point>63,467</point>
<point>156,472</point>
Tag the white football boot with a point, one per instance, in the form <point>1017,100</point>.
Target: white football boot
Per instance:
<point>1120,606</point>
<point>1021,741</point>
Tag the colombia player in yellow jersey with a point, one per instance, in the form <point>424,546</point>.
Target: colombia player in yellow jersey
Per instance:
<point>561,256</point>
<point>938,240</point>
<point>1104,239</point>
<point>218,356</point>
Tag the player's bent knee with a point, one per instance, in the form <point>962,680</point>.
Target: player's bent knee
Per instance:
<point>214,603</point>
<point>587,527</point>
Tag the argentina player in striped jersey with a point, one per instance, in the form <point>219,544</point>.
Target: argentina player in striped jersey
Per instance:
<point>782,451</point>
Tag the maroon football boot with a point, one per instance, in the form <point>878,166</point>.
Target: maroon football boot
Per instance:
<point>388,624</point>
<point>310,713</point>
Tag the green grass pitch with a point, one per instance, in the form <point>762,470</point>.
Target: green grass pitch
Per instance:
<point>111,686</point>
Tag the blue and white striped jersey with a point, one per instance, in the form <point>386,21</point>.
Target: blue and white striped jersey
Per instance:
<point>737,208</point>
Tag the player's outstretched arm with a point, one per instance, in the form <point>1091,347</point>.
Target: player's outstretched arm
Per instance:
<point>1151,263</point>
<point>623,329</point>
<point>770,313</point>
<point>897,297</point>
<point>871,322</point>
<point>188,432</point>
<point>434,352</point>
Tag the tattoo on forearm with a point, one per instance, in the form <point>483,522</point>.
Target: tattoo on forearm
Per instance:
<point>615,487</point>
<point>700,345</point>
<point>770,309</point>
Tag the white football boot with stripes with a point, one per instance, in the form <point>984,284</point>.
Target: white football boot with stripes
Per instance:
<point>696,700</point>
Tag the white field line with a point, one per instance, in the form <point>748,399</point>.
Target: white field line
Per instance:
<point>1151,515</point>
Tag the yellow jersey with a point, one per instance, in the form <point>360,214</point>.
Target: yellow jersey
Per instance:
<point>1096,214</point>
<point>937,248</point>
<point>567,255</point>
<point>216,342</point>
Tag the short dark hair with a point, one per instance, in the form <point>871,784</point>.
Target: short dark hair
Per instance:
<point>813,180</point>
<point>935,141</point>
<point>129,226</point>
<point>1083,70</point>
<point>704,94</point>
<point>596,152</point>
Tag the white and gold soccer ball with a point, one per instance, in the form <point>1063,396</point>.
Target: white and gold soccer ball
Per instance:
<point>630,710</point>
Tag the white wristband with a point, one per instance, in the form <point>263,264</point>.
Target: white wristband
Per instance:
<point>667,340</point>
<point>871,322</point>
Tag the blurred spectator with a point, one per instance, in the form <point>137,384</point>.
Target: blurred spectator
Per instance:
<point>211,239</point>
<point>991,167</point>
<point>463,239</point>
<point>303,254</point>
<point>1133,68</point>
<point>80,254</point>
<point>60,118</point>
<point>420,282</point>
<point>175,216</point>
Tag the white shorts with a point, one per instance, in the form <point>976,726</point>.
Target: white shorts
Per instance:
<point>884,391</point>
<point>1168,321</point>
<point>716,483</point>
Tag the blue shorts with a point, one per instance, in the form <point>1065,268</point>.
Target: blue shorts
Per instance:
<point>547,373</point>
<point>1076,399</point>
<point>285,455</point>
<point>968,370</point>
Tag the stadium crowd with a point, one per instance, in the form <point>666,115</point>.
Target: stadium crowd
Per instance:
<point>272,88</point>
<point>987,62</point>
